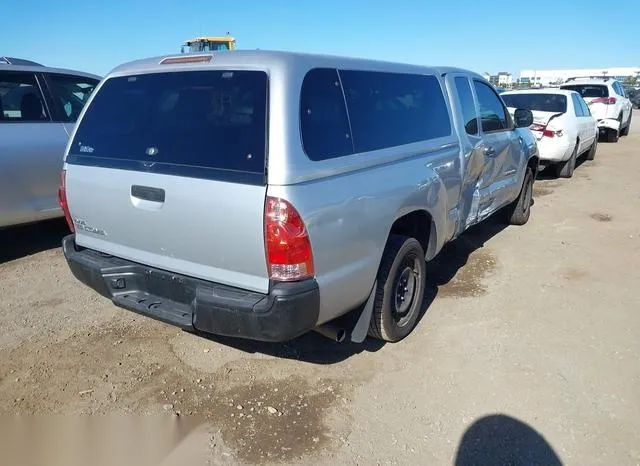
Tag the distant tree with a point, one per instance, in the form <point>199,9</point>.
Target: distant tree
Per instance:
<point>631,80</point>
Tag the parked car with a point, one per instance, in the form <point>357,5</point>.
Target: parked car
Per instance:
<point>634,96</point>
<point>38,108</point>
<point>264,194</point>
<point>562,123</point>
<point>607,102</point>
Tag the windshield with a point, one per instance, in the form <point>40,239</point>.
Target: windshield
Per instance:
<point>588,90</point>
<point>555,103</point>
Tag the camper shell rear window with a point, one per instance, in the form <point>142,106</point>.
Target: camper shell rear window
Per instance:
<point>203,123</point>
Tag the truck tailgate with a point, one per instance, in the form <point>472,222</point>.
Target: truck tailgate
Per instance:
<point>212,230</point>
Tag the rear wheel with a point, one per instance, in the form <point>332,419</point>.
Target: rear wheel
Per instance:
<point>612,134</point>
<point>565,169</point>
<point>518,212</point>
<point>625,131</point>
<point>400,291</point>
<point>592,151</point>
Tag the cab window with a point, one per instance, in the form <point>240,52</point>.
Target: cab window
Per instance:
<point>392,109</point>
<point>468,105</point>
<point>579,111</point>
<point>323,116</point>
<point>493,115</point>
<point>70,94</point>
<point>20,98</point>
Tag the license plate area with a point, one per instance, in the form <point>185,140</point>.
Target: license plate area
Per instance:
<point>169,286</point>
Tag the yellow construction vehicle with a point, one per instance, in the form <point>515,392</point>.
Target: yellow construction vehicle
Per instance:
<point>209,44</point>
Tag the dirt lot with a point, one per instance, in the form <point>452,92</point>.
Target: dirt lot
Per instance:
<point>529,350</point>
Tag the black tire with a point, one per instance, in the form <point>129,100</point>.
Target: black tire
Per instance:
<point>519,211</point>
<point>565,169</point>
<point>625,131</point>
<point>393,319</point>
<point>591,154</point>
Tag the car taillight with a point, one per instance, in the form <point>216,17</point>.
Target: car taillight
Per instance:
<point>546,132</point>
<point>288,248</point>
<point>62,199</point>
<point>604,100</point>
<point>549,133</point>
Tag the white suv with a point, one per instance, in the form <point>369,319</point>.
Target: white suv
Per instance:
<point>608,104</point>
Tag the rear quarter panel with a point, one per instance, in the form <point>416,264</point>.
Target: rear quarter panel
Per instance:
<point>349,217</point>
<point>350,203</point>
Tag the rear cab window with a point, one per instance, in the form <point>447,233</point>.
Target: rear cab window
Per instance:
<point>209,124</point>
<point>553,103</point>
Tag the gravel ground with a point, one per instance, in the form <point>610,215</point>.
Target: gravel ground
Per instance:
<point>528,352</point>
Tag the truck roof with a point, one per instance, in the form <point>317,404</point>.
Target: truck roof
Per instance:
<point>273,59</point>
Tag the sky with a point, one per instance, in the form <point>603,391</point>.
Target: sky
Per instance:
<point>482,36</point>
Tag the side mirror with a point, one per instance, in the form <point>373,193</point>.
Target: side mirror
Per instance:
<point>523,118</point>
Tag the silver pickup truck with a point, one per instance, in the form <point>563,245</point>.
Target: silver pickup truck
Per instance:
<point>264,194</point>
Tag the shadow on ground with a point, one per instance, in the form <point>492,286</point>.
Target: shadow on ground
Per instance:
<point>548,173</point>
<point>499,439</point>
<point>310,347</point>
<point>22,241</point>
<point>455,255</point>
<point>317,349</point>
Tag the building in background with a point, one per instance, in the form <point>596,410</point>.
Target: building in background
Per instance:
<point>502,79</point>
<point>554,77</point>
<point>505,79</point>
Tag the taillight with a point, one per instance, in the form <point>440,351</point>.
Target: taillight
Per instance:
<point>604,100</point>
<point>546,132</point>
<point>288,248</point>
<point>549,133</point>
<point>62,199</point>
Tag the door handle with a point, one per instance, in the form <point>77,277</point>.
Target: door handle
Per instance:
<point>489,151</point>
<point>147,193</point>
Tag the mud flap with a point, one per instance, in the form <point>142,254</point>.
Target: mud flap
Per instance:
<point>360,330</point>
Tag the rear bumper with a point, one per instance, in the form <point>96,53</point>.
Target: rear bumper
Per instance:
<point>554,151</point>
<point>609,123</point>
<point>289,310</point>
